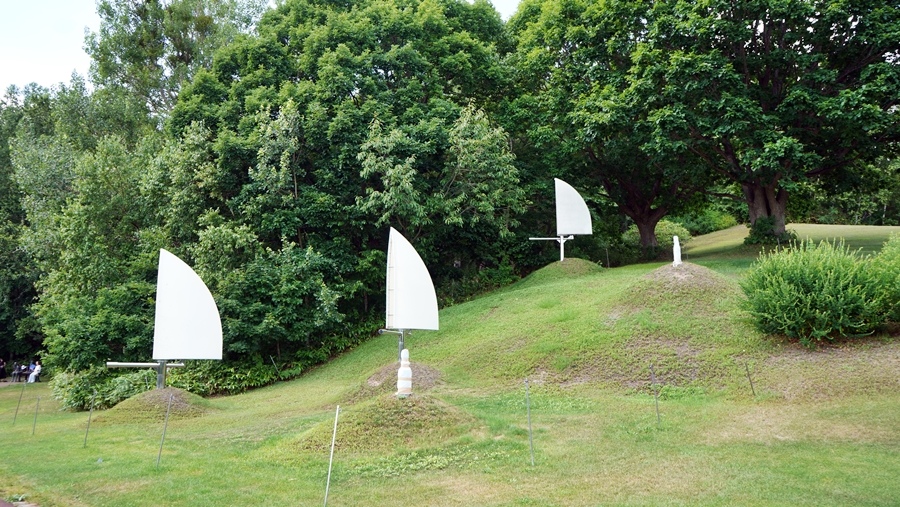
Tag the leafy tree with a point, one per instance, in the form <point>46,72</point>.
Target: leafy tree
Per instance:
<point>778,92</point>
<point>152,47</point>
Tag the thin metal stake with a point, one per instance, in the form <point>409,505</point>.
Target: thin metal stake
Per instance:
<point>165,426</point>
<point>277,371</point>
<point>655,393</point>
<point>20,402</point>
<point>90,415</point>
<point>747,366</point>
<point>331,459</point>
<point>528,409</point>
<point>36,405</point>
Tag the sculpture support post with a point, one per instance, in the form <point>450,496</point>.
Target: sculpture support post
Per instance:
<point>160,366</point>
<point>562,242</point>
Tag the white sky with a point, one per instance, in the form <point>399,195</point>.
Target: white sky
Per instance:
<point>42,41</point>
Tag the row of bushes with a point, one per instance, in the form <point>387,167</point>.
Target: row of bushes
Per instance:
<point>817,293</point>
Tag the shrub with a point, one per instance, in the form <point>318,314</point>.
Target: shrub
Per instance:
<point>706,221</point>
<point>76,391</point>
<point>762,233</point>
<point>813,293</point>
<point>886,270</point>
<point>665,230</point>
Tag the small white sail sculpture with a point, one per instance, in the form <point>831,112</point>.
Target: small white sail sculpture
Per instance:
<point>411,300</point>
<point>572,216</point>
<point>187,323</point>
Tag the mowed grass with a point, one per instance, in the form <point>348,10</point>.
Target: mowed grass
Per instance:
<point>815,428</point>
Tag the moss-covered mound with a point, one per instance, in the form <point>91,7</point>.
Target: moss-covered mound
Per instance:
<point>388,423</point>
<point>152,406</point>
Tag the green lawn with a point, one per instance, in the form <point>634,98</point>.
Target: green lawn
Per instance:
<point>816,428</point>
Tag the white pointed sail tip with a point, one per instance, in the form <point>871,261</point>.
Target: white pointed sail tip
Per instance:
<point>411,302</point>
<point>572,214</point>
<point>187,323</point>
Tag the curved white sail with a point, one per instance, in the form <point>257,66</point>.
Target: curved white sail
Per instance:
<point>411,300</point>
<point>187,324</point>
<point>572,215</point>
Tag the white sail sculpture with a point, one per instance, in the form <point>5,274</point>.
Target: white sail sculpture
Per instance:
<point>187,323</point>
<point>411,302</point>
<point>572,216</point>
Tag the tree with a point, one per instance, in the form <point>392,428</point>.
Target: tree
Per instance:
<point>152,47</point>
<point>787,91</point>
<point>585,63</point>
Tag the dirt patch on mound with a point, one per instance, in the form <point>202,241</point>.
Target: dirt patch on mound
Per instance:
<point>384,381</point>
<point>682,279</point>
<point>152,406</point>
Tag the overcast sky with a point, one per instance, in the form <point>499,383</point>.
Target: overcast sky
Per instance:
<point>42,41</point>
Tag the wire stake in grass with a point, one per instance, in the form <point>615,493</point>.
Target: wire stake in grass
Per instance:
<point>331,459</point>
<point>90,415</point>
<point>752,389</point>
<point>655,393</point>
<point>36,406</point>
<point>528,409</point>
<point>165,426</point>
<point>20,402</point>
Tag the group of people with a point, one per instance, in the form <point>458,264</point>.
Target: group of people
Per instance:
<point>30,372</point>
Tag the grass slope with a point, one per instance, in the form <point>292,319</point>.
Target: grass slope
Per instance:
<point>823,427</point>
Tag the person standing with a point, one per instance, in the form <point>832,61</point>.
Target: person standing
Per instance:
<point>2,369</point>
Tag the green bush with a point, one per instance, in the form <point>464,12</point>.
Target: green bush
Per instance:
<point>886,270</point>
<point>813,293</point>
<point>762,233</point>
<point>76,391</point>
<point>207,378</point>
<point>706,221</point>
<point>665,230</point>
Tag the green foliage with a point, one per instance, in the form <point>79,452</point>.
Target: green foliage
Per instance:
<point>707,220</point>
<point>665,232</point>
<point>99,386</point>
<point>207,378</point>
<point>762,232</point>
<point>814,293</point>
<point>886,271</point>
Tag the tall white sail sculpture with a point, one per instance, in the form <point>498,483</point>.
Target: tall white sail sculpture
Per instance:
<point>572,216</point>
<point>411,302</point>
<point>187,323</point>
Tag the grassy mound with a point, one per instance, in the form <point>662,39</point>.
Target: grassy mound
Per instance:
<point>152,406</point>
<point>389,424</point>
<point>384,381</point>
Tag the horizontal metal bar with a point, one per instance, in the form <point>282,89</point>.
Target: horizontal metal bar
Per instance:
<point>142,365</point>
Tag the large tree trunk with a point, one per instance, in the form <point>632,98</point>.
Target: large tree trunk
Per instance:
<point>767,201</point>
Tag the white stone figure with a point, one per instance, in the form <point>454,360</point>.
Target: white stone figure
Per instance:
<point>676,251</point>
<point>404,376</point>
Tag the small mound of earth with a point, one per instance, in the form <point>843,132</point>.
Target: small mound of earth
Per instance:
<point>572,267</point>
<point>152,406</point>
<point>681,280</point>
<point>384,381</point>
<point>389,423</point>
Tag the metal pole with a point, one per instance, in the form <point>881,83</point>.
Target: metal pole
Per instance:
<point>752,389</point>
<point>36,405</point>
<point>161,374</point>
<point>655,393</point>
<point>20,402</point>
<point>528,408</point>
<point>401,346</point>
<point>165,426</point>
<point>331,459</point>
<point>90,415</point>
